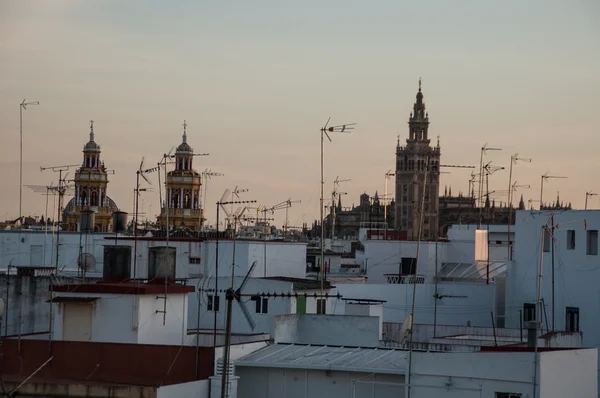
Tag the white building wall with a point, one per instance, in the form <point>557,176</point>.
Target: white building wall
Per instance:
<point>130,318</point>
<point>16,248</point>
<point>577,379</point>
<point>475,308</point>
<point>576,274</point>
<point>111,320</point>
<point>196,389</point>
<point>471,375</point>
<point>301,383</point>
<point>283,258</point>
<point>151,329</point>
<point>384,256</point>
<point>239,325</point>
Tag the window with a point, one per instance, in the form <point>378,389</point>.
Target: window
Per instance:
<point>508,395</point>
<point>570,239</point>
<point>213,303</point>
<point>408,266</point>
<point>262,304</point>
<point>572,319</point>
<point>547,243</point>
<point>528,312</point>
<point>320,306</point>
<point>592,243</point>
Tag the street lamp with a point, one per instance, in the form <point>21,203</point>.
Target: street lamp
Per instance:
<point>22,106</point>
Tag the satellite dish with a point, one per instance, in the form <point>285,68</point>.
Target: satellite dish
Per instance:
<point>86,261</point>
<point>406,329</point>
<point>2,307</point>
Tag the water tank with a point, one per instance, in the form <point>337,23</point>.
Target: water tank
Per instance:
<point>87,219</point>
<point>119,221</point>
<point>161,263</point>
<point>117,263</point>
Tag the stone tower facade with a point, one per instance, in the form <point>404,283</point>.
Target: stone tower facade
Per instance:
<point>91,182</point>
<point>183,191</point>
<point>414,161</point>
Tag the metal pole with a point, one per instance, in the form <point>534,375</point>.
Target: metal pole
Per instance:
<point>322,266</point>
<point>265,248</point>
<point>6,304</point>
<point>58,224</point>
<point>586,198</point>
<point>521,324</point>
<point>541,192</point>
<point>509,208</point>
<point>225,377</point>
<point>135,222</point>
<point>198,327</point>
<point>480,187</point>
<point>436,287</point>
<point>21,164</point>
<point>539,284</point>
<point>414,281</point>
<point>487,190</point>
<point>553,272</point>
<point>216,292</point>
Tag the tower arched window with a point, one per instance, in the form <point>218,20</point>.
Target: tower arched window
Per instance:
<point>83,197</point>
<point>94,199</point>
<point>186,201</point>
<point>175,201</point>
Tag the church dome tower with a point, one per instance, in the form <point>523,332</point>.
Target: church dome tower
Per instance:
<point>91,182</point>
<point>183,191</point>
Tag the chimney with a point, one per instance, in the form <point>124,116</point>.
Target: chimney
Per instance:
<point>532,332</point>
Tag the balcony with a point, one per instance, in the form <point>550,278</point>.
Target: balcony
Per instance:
<point>405,279</point>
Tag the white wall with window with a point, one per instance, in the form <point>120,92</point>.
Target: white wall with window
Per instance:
<point>572,246</point>
<point>258,299</point>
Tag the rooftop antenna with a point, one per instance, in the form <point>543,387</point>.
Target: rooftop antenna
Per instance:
<point>139,173</point>
<point>61,189</point>
<point>222,204</point>
<point>588,194</point>
<point>22,107</point>
<point>335,194</point>
<point>325,130</point>
<point>237,294</point>
<point>545,177</point>
<point>207,175</point>
<point>48,190</point>
<point>388,174</point>
<point>484,150</point>
<point>513,160</point>
<point>159,165</point>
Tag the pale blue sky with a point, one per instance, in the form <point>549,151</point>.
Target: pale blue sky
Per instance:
<point>256,80</point>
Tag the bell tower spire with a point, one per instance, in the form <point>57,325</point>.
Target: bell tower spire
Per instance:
<point>419,119</point>
<point>417,163</point>
<point>91,130</point>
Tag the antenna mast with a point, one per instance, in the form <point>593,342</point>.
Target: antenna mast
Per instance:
<point>343,128</point>
<point>61,189</point>
<point>335,194</point>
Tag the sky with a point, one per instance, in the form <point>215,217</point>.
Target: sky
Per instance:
<point>256,80</point>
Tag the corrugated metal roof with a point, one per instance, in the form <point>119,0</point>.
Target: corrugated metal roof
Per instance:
<point>323,357</point>
<point>477,271</point>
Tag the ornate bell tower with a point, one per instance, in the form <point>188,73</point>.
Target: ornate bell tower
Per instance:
<point>412,163</point>
<point>183,191</point>
<point>91,181</point>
